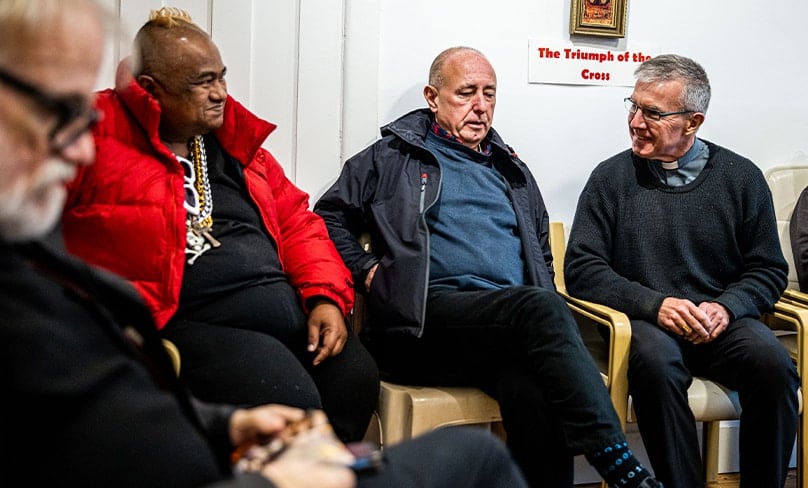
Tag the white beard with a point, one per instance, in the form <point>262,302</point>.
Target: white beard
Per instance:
<point>30,209</point>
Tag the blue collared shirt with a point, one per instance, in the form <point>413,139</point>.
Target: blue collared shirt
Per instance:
<point>683,171</point>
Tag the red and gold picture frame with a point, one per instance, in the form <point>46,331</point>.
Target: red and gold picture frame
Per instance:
<point>604,18</point>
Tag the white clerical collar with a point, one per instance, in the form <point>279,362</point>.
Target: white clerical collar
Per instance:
<point>669,165</point>
<point>692,154</point>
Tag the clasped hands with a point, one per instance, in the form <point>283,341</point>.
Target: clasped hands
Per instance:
<point>697,324</point>
<point>291,447</point>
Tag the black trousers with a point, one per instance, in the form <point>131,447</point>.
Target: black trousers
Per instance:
<point>522,346</point>
<point>458,456</point>
<point>746,357</point>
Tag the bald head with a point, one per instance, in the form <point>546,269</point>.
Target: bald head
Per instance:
<point>437,73</point>
<point>462,93</point>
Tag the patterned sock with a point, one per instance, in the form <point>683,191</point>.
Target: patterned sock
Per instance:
<point>619,468</point>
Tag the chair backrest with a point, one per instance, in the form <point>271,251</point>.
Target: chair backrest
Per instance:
<point>359,313</point>
<point>558,245</point>
<point>786,184</point>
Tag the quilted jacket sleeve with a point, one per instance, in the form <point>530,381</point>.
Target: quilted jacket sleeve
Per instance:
<point>307,254</point>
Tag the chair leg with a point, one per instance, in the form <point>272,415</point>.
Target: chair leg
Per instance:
<point>395,415</point>
<point>710,434</point>
<point>374,431</point>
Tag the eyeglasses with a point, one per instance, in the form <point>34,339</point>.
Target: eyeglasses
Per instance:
<point>74,116</point>
<point>649,113</point>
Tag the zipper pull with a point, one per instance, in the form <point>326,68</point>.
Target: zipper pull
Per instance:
<point>424,177</point>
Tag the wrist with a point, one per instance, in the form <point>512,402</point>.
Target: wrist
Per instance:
<point>318,300</point>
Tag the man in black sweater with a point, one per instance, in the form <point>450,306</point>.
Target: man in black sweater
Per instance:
<point>679,233</point>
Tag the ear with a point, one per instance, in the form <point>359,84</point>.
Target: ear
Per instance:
<point>431,96</point>
<point>694,122</point>
<point>147,83</point>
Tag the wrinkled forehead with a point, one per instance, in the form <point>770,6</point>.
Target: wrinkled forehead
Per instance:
<point>185,56</point>
<point>200,52</point>
<point>660,92</point>
<point>469,69</point>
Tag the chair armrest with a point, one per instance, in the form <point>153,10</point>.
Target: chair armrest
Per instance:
<point>789,320</point>
<point>605,331</point>
<point>795,297</point>
<point>609,349</point>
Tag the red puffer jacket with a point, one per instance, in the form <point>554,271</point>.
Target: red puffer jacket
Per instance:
<point>125,212</point>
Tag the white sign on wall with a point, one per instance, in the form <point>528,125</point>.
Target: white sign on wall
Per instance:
<point>565,64</point>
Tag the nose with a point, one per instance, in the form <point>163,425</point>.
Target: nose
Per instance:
<point>481,103</point>
<point>219,90</point>
<point>636,119</point>
<point>80,152</point>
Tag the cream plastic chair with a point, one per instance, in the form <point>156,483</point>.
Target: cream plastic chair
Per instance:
<point>710,402</point>
<point>786,184</point>
<point>406,410</point>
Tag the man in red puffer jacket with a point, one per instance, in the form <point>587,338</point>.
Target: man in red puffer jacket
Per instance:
<point>185,203</point>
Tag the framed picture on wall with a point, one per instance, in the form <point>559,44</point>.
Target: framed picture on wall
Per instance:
<point>604,18</point>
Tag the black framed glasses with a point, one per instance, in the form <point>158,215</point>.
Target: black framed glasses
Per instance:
<point>74,116</point>
<point>649,113</point>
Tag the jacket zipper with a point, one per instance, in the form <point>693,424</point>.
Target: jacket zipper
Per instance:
<point>424,178</point>
<point>422,209</point>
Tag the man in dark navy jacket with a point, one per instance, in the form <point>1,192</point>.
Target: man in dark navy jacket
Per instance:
<point>460,278</point>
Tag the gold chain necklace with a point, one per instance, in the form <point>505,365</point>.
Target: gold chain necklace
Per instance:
<point>198,227</point>
<point>205,218</point>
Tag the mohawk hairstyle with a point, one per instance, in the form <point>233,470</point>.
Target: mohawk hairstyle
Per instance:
<point>170,17</point>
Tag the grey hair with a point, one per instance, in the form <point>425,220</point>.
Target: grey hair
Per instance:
<point>669,67</point>
<point>436,69</point>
